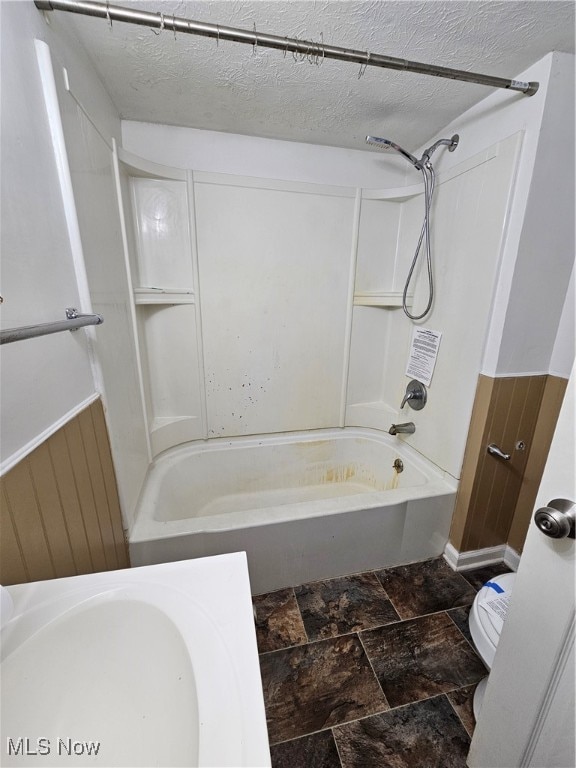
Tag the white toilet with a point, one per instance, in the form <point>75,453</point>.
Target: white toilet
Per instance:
<point>486,621</point>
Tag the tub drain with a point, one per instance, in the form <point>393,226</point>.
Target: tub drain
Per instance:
<point>398,465</point>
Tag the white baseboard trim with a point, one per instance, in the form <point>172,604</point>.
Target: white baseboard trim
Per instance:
<point>512,558</point>
<point>477,558</point>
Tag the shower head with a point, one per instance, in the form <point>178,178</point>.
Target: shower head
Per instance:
<point>386,145</point>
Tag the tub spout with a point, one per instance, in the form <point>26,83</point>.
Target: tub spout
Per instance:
<point>402,429</point>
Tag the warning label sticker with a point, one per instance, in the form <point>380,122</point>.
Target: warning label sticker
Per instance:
<point>423,354</point>
<point>497,607</point>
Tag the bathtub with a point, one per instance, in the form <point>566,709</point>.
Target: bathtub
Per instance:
<point>303,506</point>
<point>141,667</point>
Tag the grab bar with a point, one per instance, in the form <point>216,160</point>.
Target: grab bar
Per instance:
<point>72,323</point>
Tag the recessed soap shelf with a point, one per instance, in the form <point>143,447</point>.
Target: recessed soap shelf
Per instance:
<point>146,295</point>
<point>381,299</point>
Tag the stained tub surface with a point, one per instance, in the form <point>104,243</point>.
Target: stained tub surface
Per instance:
<point>299,498</point>
<point>224,483</point>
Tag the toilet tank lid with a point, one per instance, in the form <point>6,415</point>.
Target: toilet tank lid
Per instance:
<point>492,601</point>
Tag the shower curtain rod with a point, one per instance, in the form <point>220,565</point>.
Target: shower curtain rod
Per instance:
<point>316,52</point>
<point>72,323</point>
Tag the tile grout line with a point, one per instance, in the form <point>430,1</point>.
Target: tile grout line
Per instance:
<point>381,712</point>
<point>374,573</point>
<point>431,613</point>
<point>384,712</point>
<point>377,626</point>
<point>293,589</point>
<point>284,647</point>
<point>337,747</point>
<point>381,570</point>
<point>373,670</point>
<point>335,637</point>
<point>464,636</point>
<point>457,713</point>
<point>392,603</point>
<point>345,722</point>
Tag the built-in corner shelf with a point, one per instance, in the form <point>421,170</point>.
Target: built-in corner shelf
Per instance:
<point>163,296</point>
<point>381,299</point>
<point>167,431</point>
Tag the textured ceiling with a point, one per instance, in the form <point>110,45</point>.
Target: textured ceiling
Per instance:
<point>192,81</point>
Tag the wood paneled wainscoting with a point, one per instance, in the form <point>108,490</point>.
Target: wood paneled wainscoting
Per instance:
<point>496,498</point>
<point>60,513</point>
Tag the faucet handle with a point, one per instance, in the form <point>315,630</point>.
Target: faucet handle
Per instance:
<point>415,396</point>
<point>407,396</point>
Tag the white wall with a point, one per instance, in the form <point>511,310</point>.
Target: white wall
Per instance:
<point>275,289</point>
<point>62,246</point>
<point>263,158</point>
<point>538,251</point>
<point>43,379</point>
<point>546,250</point>
<point>565,343</point>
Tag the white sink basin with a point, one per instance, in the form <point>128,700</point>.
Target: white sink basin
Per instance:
<point>153,666</point>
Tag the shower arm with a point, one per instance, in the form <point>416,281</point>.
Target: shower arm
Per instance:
<point>306,48</point>
<point>450,143</point>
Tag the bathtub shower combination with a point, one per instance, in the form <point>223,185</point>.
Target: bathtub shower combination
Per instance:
<point>303,506</point>
<point>260,343</point>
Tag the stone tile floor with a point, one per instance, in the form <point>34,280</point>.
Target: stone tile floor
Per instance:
<point>375,669</point>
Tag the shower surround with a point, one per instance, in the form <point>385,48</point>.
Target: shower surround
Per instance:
<point>264,306</point>
<point>269,327</point>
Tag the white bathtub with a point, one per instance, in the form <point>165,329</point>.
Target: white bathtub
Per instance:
<point>303,506</point>
<point>152,666</point>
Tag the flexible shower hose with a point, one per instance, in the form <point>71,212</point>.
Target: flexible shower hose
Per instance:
<point>429,182</point>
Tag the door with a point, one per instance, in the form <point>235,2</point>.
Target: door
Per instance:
<point>528,716</point>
